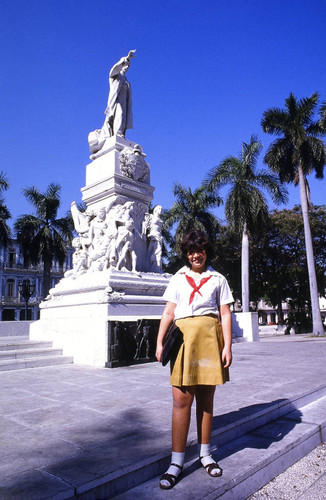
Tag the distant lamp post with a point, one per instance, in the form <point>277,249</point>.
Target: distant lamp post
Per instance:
<point>26,289</point>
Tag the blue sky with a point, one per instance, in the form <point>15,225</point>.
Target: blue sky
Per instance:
<point>204,74</point>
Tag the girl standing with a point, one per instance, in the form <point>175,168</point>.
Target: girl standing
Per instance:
<point>198,299</point>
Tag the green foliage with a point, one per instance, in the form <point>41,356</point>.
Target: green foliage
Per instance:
<point>5,215</point>
<point>246,205</point>
<point>300,143</point>
<point>190,211</point>
<point>43,236</point>
<point>246,208</point>
<point>297,153</point>
<point>279,265</point>
<point>228,258</point>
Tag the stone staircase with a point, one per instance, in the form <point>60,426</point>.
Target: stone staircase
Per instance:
<point>17,352</point>
<point>252,451</point>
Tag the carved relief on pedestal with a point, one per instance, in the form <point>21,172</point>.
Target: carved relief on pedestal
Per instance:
<point>133,164</point>
<point>114,236</point>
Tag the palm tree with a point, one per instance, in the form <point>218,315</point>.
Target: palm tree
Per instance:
<point>190,211</point>
<point>295,155</point>
<point>44,237</point>
<point>246,208</point>
<point>5,214</point>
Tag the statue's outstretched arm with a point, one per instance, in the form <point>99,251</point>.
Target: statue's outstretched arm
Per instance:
<point>131,54</point>
<point>115,70</point>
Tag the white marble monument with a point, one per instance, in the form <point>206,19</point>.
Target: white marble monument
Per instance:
<point>102,311</point>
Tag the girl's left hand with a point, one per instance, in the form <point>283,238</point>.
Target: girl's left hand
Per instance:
<point>226,357</point>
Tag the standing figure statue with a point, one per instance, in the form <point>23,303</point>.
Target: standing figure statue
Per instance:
<point>127,259</point>
<point>153,228</point>
<point>97,235</point>
<point>119,107</point>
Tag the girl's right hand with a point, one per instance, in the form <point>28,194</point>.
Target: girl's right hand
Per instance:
<point>159,350</point>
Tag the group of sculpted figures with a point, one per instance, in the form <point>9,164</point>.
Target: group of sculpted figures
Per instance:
<point>106,239</point>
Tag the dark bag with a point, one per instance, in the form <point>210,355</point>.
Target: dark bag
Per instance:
<point>171,343</point>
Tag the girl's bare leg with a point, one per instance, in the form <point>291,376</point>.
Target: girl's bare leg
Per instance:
<point>181,413</point>
<point>182,402</point>
<point>204,412</point>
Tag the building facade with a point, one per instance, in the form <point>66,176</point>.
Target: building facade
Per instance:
<point>268,315</point>
<point>13,272</point>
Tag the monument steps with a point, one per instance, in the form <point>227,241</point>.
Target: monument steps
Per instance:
<point>252,450</point>
<point>14,336</point>
<point>17,353</point>
<point>249,462</point>
<point>28,353</point>
<point>10,343</point>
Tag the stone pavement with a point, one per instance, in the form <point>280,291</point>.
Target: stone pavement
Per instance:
<point>79,432</point>
<point>305,480</point>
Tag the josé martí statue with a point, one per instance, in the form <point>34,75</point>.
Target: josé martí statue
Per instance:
<point>118,113</point>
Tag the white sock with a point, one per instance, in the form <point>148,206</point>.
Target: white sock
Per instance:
<point>205,457</point>
<point>204,449</point>
<point>176,458</point>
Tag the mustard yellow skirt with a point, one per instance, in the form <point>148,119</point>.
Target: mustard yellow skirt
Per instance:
<point>198,361</point>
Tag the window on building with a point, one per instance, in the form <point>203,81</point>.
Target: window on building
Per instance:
<point>10,288</point>
<point>12,257</point>
<point>8,315</point>
<point>22,315</point>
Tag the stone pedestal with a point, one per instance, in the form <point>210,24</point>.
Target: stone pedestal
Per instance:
<point>100,315</point>
<point>104,180</point>
<point>83,314</point>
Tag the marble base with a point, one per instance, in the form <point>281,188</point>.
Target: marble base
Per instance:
<point>245,326</point>
<point>111,318</point>
<point>79,314</point>
<point>105,181</point>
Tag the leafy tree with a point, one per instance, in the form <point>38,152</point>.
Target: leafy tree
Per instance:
<point>246,207</point>
<point>228,257</point>
<point>43,236</point>
<point>279,264</point>
<point>317,217</point>
<point>5,214</point>
<point>295,154</point>
<point>190,211</point>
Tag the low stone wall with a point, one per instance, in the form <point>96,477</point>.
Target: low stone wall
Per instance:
<point>15,328</point>
<point>272,330</point>
<point>245,326</point>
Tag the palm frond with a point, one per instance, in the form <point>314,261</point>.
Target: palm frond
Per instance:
<point>220,175</point>
<point>274,121</point>
<point>4,185</point>
<point>190,211</point>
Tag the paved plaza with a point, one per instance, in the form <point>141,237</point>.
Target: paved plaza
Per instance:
<point>68,430</point>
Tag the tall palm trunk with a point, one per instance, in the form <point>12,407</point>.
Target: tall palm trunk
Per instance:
<point>317,325</point>
<point>245,269</point>
<point>280,314</point>
<point>47,263</point>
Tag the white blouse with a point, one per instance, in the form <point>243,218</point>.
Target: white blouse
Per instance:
<point>214,293</point>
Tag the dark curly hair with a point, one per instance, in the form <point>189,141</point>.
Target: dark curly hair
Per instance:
<point>196,240</point>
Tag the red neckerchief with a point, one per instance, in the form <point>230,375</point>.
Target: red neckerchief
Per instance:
<point>195,287</point>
